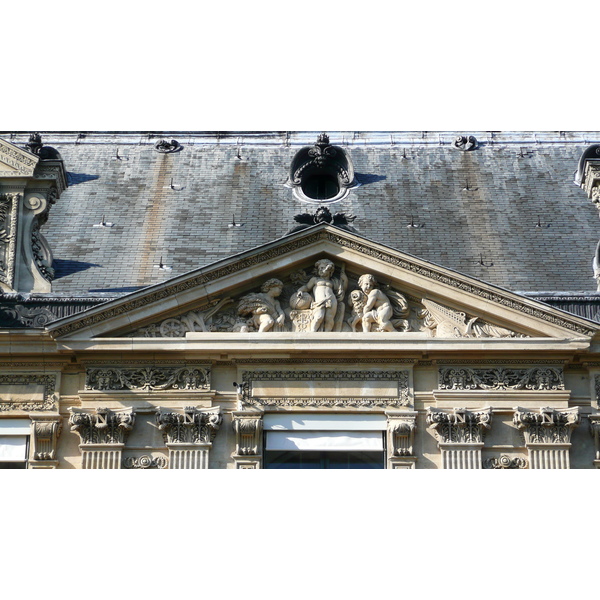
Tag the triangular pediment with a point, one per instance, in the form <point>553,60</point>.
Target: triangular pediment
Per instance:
<point>407,297</point>
<point>15,162</point>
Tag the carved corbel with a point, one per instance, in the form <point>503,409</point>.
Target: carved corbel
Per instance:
<point>103,434</point>
<point>595,432</point>
<point>45,432</point>
<point>188,435</point>
<point>547,434</point>
<point>401,429</point>
<point>460,435</point>
<point>248,428</point>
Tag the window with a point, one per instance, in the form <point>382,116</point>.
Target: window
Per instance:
<point>324,441</point>
<point>14,443</point>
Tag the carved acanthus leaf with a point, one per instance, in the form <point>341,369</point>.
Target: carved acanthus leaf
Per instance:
<point>547,425</point>
<point>102,425</point>
<point>190,425</point>
<point>461,426</point>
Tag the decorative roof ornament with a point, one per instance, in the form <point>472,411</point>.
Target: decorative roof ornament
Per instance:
<point>465,143</point>
<point>167,147</point>
<point>323,215</point>
<point>35,143</point>
<point>322,173</point>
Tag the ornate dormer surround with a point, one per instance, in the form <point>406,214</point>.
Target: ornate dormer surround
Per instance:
<point>30,183</point>
<point>321,174</point>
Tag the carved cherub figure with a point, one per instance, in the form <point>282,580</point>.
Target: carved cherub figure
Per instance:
<point>327,291</point>
<point>378,309</point>
<point>264,307</point>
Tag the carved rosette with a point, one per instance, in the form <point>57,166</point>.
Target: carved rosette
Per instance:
<point>189,425</point>
<point>45,429</point>
<point>505,462</point>
<point>148,378</point>
<point>102,425</point>
<point>461,426</point>
<point>535,378</point>
<point>145,462</point>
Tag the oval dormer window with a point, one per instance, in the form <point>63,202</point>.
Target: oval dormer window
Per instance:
<point>320,186</point>
<point>322,173</point>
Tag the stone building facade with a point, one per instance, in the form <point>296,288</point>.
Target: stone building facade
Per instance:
<point>197,322</point>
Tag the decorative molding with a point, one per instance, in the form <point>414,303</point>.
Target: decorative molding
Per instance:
<point>49,398</point>
<point>248,430</point>
<point>430,272</point>
<point>461,426</point>
<point>535,378</point>
<point>21,161</point>
<point>547,425</point>
<point>597,387</point>
<point>505,462</point>
<point>189,425</point>
<point>402,377</point>
<point>102,425</point>
<point>36,316</point>
<point>145,462</point>
<point>148,378</point>
<point>328,361</point>
<point>46,430</point>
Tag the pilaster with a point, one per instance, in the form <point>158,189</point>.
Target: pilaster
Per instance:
<point>103,434</point>
<point>188,435</point>
<point>460,435</point>
<point>547,434</point>
<point>401,429</point>
<point>248,428</point>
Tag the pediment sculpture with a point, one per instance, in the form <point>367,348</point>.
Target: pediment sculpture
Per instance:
<point>326,299</point>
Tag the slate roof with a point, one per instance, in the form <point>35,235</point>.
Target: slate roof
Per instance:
<point>475,207</point>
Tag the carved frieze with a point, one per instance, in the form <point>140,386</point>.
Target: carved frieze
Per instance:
<point>461,426</point>
<point>148,378</point>
<point>189,425</point>
<point>547,425</point>
<point>145,462</point>
<point>402,395</point>
<point>534,378</point>
<point>102,425</point>
<point>48,398</point>
<point>505,462</point>
<point>15,162</point>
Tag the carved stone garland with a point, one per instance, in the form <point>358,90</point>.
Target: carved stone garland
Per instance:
<point>547,434</point>
<point>103,434</point>
<point>460,435</point>
<point>148,378</point>
<point>466,378</point>
<point>188,435</point>
<point>248,428</point>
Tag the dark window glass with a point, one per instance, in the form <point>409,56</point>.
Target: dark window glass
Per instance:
<point>13,465</point>
<point>274,459</point>
<point>320,186</point>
